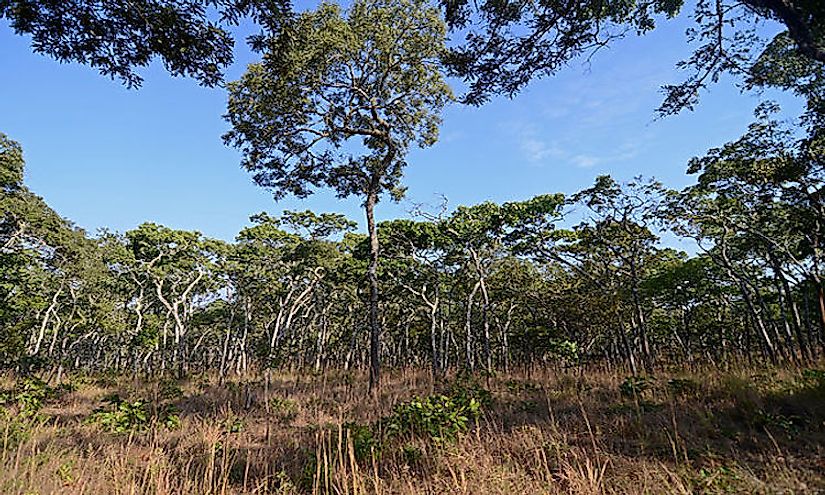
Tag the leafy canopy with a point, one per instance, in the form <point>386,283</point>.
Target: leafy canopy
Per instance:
<point>340,96</point>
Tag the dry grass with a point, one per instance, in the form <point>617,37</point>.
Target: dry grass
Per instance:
<point>550,432</point>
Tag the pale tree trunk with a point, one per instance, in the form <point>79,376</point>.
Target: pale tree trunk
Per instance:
<point>468,329</point>
<point>38,341</point>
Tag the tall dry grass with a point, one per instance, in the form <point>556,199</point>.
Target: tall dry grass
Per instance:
<point>742,431</point>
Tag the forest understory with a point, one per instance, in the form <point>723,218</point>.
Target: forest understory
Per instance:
<point>741,430</point>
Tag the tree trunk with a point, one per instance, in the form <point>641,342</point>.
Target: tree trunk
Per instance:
<point>372,275</point>
<point>469,354</point>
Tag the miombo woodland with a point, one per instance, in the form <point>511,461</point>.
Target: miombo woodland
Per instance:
<point>554,344</point>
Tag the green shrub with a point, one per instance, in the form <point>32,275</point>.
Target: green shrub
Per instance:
<point>636,386</point>
<point>284,410</point>
<point>169,417</point>
<point>13,431</point>
<point>28,397</point>
<point>412,454</point>
<point>121,416</point>
<point>566,350</point>
<point>814,379</point>
<point>516,386</point>
<point>437,417</point>
<point>234,424</point>
<point>364,442</point>
<point>789,424</point>
<point>463,389</point>
<point>169,390</point>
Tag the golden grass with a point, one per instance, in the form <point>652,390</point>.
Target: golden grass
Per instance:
<point>549,432</point>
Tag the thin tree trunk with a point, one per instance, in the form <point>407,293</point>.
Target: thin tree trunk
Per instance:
<point>372,275</point>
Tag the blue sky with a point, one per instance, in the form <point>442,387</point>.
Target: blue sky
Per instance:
<point>105,156</point>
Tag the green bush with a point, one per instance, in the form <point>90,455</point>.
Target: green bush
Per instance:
<point>13,430</point>
<point>438,417</point>
<point>412,454</point>
<point>636,386</point>
<point>121,416</point>
<point>364,442</point>
<point>234,424</point>
<point>169,390</point>
<point>464,389</point>
<point>284,410</point>
<point>566,350</point>
<point>28,396</point>
<point>789,424</point>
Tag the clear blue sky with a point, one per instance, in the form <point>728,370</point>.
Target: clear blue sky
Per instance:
<point>105,156</point>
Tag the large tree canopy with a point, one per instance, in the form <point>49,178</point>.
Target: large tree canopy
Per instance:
<point>116,37</point>
<point>509,43</point>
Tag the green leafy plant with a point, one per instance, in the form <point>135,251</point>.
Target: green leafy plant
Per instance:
<point>467,388</point>
<point>121,416</point>
<point>636,386</point>
<point>169,390</point>
<point>439,417</point>
<point>814,379</point>
<point>169,416</point>
<point>284,410</point>
<point>234,424</point>
<point>64,472</point>
<point>567,350</point>
<point>517,386</point>
<point>365,443</point>
<point>28,397</point>
<point>789,424</point>
<point>13,431</point>
<point>412,454</point>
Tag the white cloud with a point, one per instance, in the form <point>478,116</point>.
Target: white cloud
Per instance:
<point>537,150</point>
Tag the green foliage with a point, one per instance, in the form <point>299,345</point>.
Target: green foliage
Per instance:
<point>122,416</point>
<point>284,410</point>
<point>298,115</point>
<point>788,424</point>
<point>412,454</point>
<point>169,390</point>
<point>720,479</point>
<point>28,396</point>
<point>466,388</point>
<point>565,349</point>
<point>365,443</point>
<point>440,418</point>
<point>636,386</point>
<point>65,473</point>
<point>519,386</point>
<point>121,38</point>
<point>169,416</point>
<point>234,424</point>
<point>13,430</point>
<point>814,378</point>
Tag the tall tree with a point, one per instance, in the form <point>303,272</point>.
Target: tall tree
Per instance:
<point>337,101</point>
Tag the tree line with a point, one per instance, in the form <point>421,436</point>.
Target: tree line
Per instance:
<point>555,279</point>
<point>337,100</point>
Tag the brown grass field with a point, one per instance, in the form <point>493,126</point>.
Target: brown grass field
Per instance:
<point>738,431</point>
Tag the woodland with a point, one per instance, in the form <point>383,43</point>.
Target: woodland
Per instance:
<point>552,344</point>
